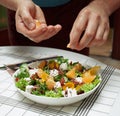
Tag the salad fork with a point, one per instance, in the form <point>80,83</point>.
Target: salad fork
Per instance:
<point>11,68</point>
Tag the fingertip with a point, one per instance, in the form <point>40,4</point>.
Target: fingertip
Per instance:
<point>58,26</point>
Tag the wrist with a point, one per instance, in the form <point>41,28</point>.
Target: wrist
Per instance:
<point>102,4</point>
<point>109,6</point>
<point>20,2</point>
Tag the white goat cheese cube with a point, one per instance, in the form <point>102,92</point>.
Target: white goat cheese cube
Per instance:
<point>63,66</point>
<point>29,88</point>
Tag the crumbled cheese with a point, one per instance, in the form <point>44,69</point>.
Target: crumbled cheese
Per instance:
<point>69,92</point>
<point>57,85</point>
<point>29,88</point>
<point>78,79</point>
<point>27,79</point>
<point>54,72</point>
<point>63,66</point>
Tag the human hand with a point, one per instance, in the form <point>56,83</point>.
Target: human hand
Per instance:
<point>26,14</point>
<point>93,20</point>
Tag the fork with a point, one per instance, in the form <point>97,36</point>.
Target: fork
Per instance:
<point>11,68</point>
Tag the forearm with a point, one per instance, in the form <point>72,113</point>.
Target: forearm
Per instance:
<point>108,5</point>
<point>12,4</point>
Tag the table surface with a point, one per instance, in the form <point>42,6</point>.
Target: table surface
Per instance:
<point>105,101</point>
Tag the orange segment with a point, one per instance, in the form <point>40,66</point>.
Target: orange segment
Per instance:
<point>50,83</point>
<point>90,75</point>
<point>78,67</point>
<point>37,23</point>
<point>42,64</point>
<point>68,45</point>
<point>69,85</point>
<point>94,70</point>
<point>43,75</point>
<point>88,78</point>
<point>71,74</point>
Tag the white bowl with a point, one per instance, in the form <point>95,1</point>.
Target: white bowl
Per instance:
<point>57,101</point>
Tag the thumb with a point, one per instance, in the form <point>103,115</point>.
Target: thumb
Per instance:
<point>40,15</point>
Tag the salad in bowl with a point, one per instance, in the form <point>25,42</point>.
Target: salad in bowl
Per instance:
<point>57,81</point>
